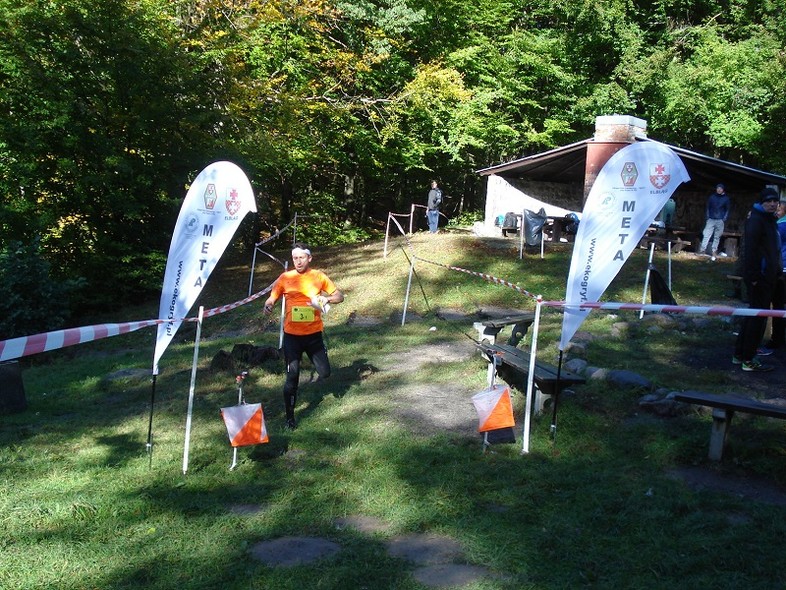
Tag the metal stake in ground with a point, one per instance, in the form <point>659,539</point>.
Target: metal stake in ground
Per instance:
<point>556,399</point>
<point>239,380</point>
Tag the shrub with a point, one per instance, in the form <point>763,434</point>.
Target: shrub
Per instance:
<point>31,301</point>
<point>467,218</point>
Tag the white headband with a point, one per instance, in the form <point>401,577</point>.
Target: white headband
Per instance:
<point>306,250</point>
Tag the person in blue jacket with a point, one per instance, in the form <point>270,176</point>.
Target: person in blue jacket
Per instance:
<point>716,213</point>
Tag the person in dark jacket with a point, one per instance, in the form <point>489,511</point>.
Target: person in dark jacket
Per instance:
<point>716,213</point>
<point>432,207</point>
<point>778,336</point>
<point>761,268</point>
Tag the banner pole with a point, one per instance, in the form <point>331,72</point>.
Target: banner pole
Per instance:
<point>669,246</point>
<point>149,445</point>
<point>187,445</point>
<point>542,239</point>
<point>239,380</point>
<point>283,314</point>
<point>521,235</point>
<point>531,377</point>
<point>556,400</point>
<point>411,217</point>
<point>647,279</point>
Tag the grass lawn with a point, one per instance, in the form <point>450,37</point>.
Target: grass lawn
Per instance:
<point>84,506</point>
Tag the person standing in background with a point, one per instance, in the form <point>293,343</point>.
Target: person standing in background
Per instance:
<point>432,207</point>
<point>762,268</point>
<point>778,335</point>
<point>716,213</point>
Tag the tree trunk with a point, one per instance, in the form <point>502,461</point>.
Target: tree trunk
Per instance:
<point>286,201</point>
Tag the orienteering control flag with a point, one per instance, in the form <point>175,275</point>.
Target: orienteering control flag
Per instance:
<point>630,191</point>
<point>245,424</point>
<point>216,203</point>
<point>494,408</point>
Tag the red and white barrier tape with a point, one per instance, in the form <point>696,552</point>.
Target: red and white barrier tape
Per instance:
<point>484,276</point>
<point>28,345</point>
<point>686,309</point>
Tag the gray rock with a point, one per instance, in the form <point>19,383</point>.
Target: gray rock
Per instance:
<point>620,330</point>
<point>576,349</point>
<point>664,407</point>
<point>577,366</point>
<point>597,373</point>
<point>659,319</point>
<point>628,380</point>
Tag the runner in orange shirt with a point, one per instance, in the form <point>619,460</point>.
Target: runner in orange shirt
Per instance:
<point>308,294</point>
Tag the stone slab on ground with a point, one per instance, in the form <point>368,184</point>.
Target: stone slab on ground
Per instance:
<point>292,551</point>
<point>425,549</point>
<point>449,575</point>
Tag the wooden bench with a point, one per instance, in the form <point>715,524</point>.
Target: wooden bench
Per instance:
<point>488,330</point>
<point>730,243</point>
<point>512,366</point>
<point>677,243</point>
<point>723,408</point>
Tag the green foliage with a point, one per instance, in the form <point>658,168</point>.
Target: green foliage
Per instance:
<point>466,218</point>
<point>327,233</point>
<point>108,114</point>
<point>725,91</point>
<point>32,300</point>
<point>345,109</point>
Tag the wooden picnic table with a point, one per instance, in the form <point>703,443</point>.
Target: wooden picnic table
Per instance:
<point>558,226</point>
<point>513,367</point>
<point>724,407</point>
<point>488,330</point>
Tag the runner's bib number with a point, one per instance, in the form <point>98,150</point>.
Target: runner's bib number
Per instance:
<point>303,313</point>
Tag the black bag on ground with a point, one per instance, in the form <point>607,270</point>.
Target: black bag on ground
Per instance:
<point>660,294</point>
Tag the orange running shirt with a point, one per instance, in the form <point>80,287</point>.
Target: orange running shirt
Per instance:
<point>300,318</point>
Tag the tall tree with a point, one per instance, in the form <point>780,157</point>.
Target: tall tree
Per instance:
<point>105,115</point>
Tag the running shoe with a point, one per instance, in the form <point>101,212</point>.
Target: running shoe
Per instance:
<point>764,351</point>
<point>754,365</point>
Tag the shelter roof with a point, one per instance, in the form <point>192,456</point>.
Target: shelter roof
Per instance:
<point>567,164</point>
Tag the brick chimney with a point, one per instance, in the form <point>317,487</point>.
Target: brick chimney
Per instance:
<point>612,133</point>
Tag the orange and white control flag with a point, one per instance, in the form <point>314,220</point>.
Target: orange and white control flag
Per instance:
<point>494,408</point>
<point>245,424</point>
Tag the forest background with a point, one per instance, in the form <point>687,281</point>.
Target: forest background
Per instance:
<point>339,110</point>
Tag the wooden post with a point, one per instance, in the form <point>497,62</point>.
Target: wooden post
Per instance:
<point>12,390</point>
<point>721,420</point>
